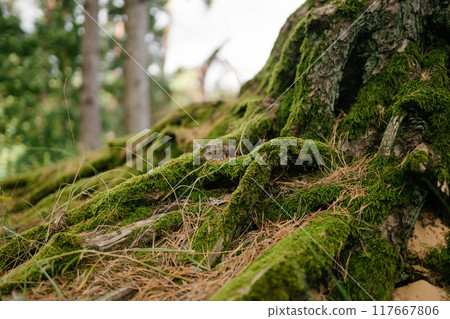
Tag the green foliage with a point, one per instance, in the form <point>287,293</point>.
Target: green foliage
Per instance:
<point>40,80</point>
<point>32,107</point>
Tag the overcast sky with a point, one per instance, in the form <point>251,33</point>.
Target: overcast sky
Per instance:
<point>250,26</point>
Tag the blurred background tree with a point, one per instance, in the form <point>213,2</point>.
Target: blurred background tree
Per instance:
<point>41,78</point>
<point>136,100</point>
<point>90,119</point>
<point>41,74</point>
<point>34,69</point>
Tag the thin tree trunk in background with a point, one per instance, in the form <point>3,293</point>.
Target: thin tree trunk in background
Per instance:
<point>204,69</point>
<point>137,89</point>
<point>165,45</point>
<point>90,120</point>
<point>50,6</point>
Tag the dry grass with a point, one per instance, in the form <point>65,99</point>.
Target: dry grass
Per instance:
<point>175,279</point>
<point>349,177</point>
<point>171,275</point>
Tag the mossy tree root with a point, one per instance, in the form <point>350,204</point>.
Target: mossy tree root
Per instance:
<point>22,246</point>
<point>216,233</point>
<point>51,258</point>
<point>36,185</point>
<point>292,267</point>
<point>379,73</point>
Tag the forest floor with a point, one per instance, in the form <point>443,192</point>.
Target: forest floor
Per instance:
<point>125,275</point>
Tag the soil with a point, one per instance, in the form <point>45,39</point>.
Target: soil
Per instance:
<point>429,232</point>
<point>420,291</point>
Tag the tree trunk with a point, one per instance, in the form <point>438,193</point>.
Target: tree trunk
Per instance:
<point>90,118</point>
<point>136,92</point>
<point>165,40</point>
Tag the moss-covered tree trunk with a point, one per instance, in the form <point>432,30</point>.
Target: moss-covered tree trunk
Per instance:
<point>367,81</point>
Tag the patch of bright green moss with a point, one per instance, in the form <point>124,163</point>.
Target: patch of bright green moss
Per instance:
<point>418,162</point>
<point>288,270</point>
<point>300,203</point>
<point>50,259</point>
<point>386,187</point>
<point>375,268</point>
<point>20,248</point>
<point>438,260</point>
<point>378,94</point>
<point>350,9</point>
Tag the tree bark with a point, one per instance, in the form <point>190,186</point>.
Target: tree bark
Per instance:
<point>90,120</point>
<point>372,94</point>
<point>165,44</point>
<point>136,91</point>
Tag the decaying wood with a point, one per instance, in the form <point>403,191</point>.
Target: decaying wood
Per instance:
<point>107,241</point>
<point>122,294</point>
<point>390,134</point>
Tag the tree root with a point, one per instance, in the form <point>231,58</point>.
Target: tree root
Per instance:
<point>289,269</point>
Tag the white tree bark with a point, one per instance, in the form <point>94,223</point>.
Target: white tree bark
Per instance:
<point>137,89</point>
<point>90,119</point>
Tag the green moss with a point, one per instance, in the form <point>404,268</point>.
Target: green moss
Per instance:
<point>140,213</point>
<point>411,82</point>
<point>438,104</point>
<point>21,247</point>
<point>418,162</point>
<point>375,268</point>
<point>315,198</point>
<point>283,72</point>
<point>117,204</point>
<point>50,259</point>
<point>386,187</point>
<point>134,199</point>
<point>438,260</point>
<point>231,122</point>
<point>288,270</point>
<point>217,232</point>
<point>220,229</point>
<point>379,94</point>
<point>231,169</point>
<point>167,223</point>
<point>350,9</point>
<point>299,202</point>
<point>306,113</point>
